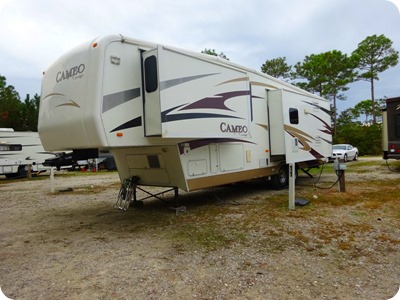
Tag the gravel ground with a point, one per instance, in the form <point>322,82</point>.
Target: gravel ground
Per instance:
<point>235,242</point>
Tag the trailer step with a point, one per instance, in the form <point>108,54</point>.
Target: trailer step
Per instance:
<point>123,199</point>
<point>127,193</point>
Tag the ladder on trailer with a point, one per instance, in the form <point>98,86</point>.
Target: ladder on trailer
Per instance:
<point>127,193</point>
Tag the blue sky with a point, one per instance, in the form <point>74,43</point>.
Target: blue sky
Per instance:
<point>34,33</point>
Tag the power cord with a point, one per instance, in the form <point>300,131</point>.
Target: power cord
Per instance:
<point>339,176</point>
<point>390,169</point>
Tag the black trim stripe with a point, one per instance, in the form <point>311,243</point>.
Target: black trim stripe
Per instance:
<point>191,116</point>
<point>327,111</point>
<point>130,124</point>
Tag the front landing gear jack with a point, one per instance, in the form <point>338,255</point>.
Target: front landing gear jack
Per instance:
<point>127,196</point>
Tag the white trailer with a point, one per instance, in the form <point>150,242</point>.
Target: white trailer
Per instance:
<point>179,119</point>
<point>18,150</point>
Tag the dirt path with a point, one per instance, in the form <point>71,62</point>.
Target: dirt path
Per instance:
<point>237,242</point>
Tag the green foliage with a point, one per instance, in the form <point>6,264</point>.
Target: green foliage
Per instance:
<point>364,109</point>
<point>10,106</point>
<point>366,137</point>
<point>277,68</point>
<point>21,116</point>
<point>212,52</point>
<point>30,113</point>
<point>328,74</point>
<point>374,55</point>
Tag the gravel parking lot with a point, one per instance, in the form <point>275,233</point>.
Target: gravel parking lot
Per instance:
<point>233,242</point>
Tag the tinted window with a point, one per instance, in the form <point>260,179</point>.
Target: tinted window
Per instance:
<point>13,147</point>
<point>150,73</point>
<point>294,116</point>
<point>397,125</point>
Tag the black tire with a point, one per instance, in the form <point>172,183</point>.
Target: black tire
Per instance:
<point>355,157</point>
<point>11,175</point>
<point>345,158</point>
<point>20,174</point>
<point>281,179</point>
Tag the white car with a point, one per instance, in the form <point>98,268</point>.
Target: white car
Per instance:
<point>344,152</point>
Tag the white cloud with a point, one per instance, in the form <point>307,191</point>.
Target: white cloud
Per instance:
<point>248,32</point>
<point>3,4</point>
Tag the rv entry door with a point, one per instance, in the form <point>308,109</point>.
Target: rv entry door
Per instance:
<point>151,94</point>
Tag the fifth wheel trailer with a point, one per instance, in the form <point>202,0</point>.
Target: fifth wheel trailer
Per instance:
<point>18,149</point>
<point>175,118</point>
<point>391,129</point>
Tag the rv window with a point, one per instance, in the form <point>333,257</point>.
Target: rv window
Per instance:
<point>13,147</point>
<point>397,125</point>
<point>150,73</point>
<point>294,116</point>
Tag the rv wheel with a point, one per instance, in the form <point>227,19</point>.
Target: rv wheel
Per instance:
<point>20,174</point>
<point>281,179</point>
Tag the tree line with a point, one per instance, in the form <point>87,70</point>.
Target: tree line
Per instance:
<point>17,114</point>
<point>327,74</point>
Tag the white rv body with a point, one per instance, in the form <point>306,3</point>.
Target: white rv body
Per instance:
<point>175,118</point>
<point>18,149</point>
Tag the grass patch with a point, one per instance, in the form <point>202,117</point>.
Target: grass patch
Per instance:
<point>80,173</point>
<point>260,219</point>
<point>5,180</point>
<point>207,237</point>
<point>86,189</point>
<point>266,223</point>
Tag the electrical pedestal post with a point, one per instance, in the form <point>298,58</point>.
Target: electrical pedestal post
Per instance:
<point>342,181</point>
<point>340,172</point>
<point>52,180</point>
<point>29,172</point>
<point>292,184</point>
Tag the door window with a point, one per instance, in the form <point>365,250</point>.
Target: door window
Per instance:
<point>293,116</point>
<point>150,74</point>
